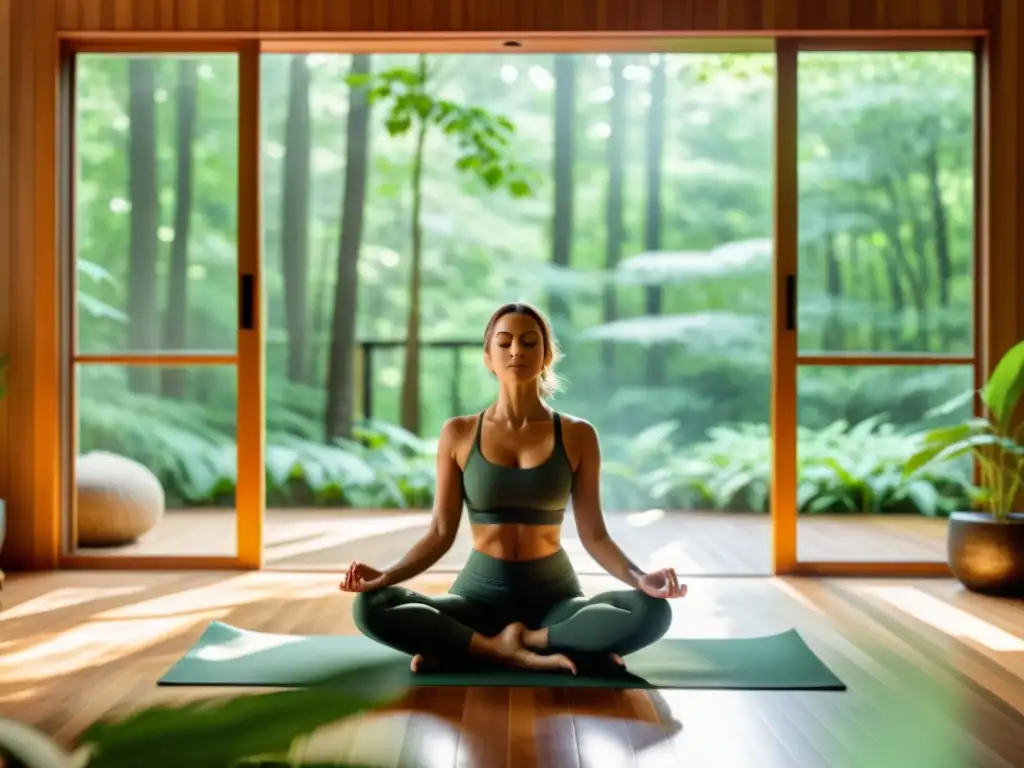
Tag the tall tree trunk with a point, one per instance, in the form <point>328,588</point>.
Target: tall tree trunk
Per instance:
<point>341,363</point>
<point>867,275</point>
<point>896,294</point>
<point>915,278</point>
<point>834,336</point>
<point>564,161</point>
<point>652,221</point>
<point>322,288</point>
<point>411,374</point>
<point>919,249</point>
<point>174,381</point>
<point>944,266</point>
<point>143,319</point>
<point>295,217</point>
<point>613,209</point>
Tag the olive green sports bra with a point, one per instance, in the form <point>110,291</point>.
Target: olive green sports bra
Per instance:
<point>496,494</point>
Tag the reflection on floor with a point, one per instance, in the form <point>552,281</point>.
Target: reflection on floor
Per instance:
<point>935,675</point>
<point>698,543</point>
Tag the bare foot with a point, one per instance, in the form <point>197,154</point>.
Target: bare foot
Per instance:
<point>535,639</point>
<point>616,659</point>
<point>507,648</point>
<point>419,662</point>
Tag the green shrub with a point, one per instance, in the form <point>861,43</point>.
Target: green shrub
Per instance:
<point>842,468</point>
<point>188,448</point>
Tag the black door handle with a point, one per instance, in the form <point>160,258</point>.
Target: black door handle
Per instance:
<point>247,303</point>
<point>790,302</point>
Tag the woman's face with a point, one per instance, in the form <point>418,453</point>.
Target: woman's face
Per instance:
<point>516,351</point>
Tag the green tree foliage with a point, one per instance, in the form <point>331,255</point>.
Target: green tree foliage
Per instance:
<point>482,140</point>
<point>885,255</point>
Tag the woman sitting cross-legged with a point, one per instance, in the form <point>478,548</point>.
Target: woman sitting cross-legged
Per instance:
<point>517,601</point>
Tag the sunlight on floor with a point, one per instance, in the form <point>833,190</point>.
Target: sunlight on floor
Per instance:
<point>304,538</point>
<point>63,598</point>
<point>369,740</point>
<point>22,694</point>
<point>119,632</point>
<point>645,518</point>
<point>245,644</point>
<point>672,555</point>
<point>93,644</point>
<point>719,727</point>
<point>599,744</point>
<point>791,591</point>
<point>947,618</point>
<point>230,593</point>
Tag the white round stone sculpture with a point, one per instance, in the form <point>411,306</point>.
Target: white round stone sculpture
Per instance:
<point>118,499</point>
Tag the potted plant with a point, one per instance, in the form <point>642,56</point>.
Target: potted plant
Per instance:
<point>986,547</point>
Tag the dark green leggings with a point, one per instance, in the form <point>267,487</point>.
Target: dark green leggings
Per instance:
<point>489,594</point>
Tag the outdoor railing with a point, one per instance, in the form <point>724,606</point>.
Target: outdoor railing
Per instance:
<point>368,362</point>
<point>370,350</point>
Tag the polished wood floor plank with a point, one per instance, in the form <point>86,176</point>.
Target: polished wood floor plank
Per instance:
<point>699,543</point>
<point>919,657</point>
<point>905,682</point>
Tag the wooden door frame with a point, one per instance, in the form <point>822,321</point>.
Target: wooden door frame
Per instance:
<point>53,462</point>
<point>787,358</point>
<point>248,358</point>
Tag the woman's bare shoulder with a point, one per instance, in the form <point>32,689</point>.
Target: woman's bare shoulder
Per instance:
<point>457,435</point>
<point>458,425</point>
<point>579,437</point>
<point>577,425</point>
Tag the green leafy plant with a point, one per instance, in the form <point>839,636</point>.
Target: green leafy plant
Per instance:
<point>842,468</point>
<point>414,106</point>
<point>193,454</point>
<point>993,441</point>
<point>265,730</point>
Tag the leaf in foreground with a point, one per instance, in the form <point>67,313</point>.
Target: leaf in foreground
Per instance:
<point>219,734</point>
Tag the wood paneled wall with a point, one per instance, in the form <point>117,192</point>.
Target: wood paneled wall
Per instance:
<point>5,224</point>
<point>28,91</point>
<point>28,94</point>
<point>1002,317</point>
<point>319,16</point>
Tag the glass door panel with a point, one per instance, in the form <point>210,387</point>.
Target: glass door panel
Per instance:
<point>155,329</point>
<point>886,297</point>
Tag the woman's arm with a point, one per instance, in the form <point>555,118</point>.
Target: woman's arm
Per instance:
<point>444,524</point>
<point>586,503</point>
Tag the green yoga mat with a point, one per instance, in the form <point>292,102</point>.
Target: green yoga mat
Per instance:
<point>228,656</point>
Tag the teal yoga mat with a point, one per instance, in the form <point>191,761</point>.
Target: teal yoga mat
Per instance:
<point>228,656</point>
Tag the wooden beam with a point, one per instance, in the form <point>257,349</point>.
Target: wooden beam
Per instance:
<point>487,16</point>
<point>6,244</point>
<point>22,524</point>
<point>250,491</point>
<point>783,502</point>
<point>1002,168</point>
<point>47,393</point>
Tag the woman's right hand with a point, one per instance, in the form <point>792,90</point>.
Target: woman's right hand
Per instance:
<point>361,577</point>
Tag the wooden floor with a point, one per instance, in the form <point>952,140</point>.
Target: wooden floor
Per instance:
<point>935,674</point>
<point>697,543</point>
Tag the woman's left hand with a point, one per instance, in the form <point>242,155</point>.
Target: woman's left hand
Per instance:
<point>663,583</point>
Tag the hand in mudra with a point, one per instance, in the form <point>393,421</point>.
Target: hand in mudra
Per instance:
<point>361,577</point>
<point>663,583</point>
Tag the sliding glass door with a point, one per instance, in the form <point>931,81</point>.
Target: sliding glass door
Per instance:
<point>629,196</point>
<point>646,200</point>
<point>163,302</point>
<point>878,306</point>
